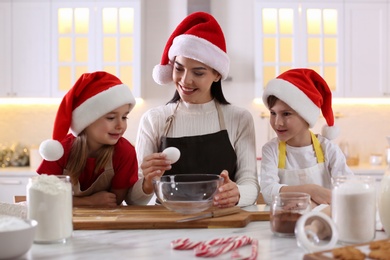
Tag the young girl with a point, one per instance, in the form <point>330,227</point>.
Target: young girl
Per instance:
<point>101,163</point>
<point>212,135</point>
<point>298,160</point>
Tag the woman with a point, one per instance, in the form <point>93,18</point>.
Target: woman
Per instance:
<point>212,135</point>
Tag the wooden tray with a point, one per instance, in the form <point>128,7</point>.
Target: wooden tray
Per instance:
<point>150,217</point>
<point>327,255</point>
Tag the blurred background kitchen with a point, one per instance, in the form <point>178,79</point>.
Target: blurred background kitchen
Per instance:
<point>46,44</point>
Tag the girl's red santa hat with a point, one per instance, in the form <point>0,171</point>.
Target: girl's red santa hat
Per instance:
<point>92,96</point>
<point>307,93</point>
<point>198,37</point>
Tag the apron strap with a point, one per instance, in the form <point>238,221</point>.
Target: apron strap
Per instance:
<point>220,116</point>
<point>317,150</point>
<point>282,155</point>
<point>170,118</point>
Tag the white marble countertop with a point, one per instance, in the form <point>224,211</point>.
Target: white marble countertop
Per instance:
<point>155,243</point>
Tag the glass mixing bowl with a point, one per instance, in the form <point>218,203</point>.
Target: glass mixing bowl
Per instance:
<point>187,193</point>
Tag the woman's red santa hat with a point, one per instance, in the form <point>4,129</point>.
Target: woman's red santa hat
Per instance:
<point>198,37</point>
<point>92,96</point>
<point>307,93</point>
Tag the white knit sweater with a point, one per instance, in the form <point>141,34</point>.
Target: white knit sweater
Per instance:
<point>200,119</point>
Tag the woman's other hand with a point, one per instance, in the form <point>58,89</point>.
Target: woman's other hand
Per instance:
<point>228,194</point>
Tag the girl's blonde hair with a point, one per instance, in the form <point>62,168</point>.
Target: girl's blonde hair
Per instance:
<point>79,154</point>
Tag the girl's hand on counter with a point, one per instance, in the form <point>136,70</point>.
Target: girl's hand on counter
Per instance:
<point>228,194</point>
<point>99,199</point>
<point>153,166</point>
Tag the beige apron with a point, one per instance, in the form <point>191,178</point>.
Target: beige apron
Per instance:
<point>102,183</point>
<point>316,174</point>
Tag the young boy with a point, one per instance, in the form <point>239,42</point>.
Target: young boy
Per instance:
<point>298,160</point>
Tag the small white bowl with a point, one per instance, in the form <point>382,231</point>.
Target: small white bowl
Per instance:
<point>15,243</point>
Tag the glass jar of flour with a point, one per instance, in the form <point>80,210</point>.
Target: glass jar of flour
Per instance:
<point>49,201</point>
<point>354,208</point>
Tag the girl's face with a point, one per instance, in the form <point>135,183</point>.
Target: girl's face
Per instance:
<point>288,125</point>
<point>107,129</point>
<point>193,80</point>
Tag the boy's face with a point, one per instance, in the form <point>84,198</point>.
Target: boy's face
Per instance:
<point>289,126</point>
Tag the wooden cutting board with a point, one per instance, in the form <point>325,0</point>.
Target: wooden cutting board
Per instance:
<point>150,217</point>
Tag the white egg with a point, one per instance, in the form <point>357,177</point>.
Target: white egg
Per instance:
<point>172,153</point>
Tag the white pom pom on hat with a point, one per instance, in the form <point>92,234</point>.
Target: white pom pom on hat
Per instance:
<point>197,37</point>
<point>51,150</point>
<point>305,91</point>
<point>92,96</point>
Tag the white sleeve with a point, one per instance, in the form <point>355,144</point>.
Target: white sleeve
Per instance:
<point>244,145</point>
<point>269,178</point>
<point>150,130</point>
<point>335,159</point>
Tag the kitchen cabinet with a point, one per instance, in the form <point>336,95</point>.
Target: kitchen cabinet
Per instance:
<point>95,35</point>
<point>5,46</point>
<point>366,49</point>
<point>25,44</point>
<point>292,34</point>
<point>345,41</point>
<point>13,181</point>
<point>47,44</point>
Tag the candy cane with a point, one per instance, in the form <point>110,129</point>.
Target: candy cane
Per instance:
<point>186,244</point>
<point>205,250</point>
<point>253,256</point>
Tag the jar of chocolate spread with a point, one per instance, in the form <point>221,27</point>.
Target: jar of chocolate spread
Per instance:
<point>285,210</point>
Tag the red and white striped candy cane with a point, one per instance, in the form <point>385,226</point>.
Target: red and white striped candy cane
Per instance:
<point>205,250</point>
<point>184,244</point>
<point>254,249</point>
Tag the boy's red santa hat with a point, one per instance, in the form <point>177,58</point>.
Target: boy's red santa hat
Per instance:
<point>198,37</point>
<point>307,93</point>
<point>92,96</point>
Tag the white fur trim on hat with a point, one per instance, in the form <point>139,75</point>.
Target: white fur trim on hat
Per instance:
<point>162,74</point>
<point>99,105</point>
<point>294,97</point>
<point>51,150</point>
<point>330,132</point>
<point>199,49</point>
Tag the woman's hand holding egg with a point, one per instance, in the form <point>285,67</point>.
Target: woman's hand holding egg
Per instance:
<point>154,165</point>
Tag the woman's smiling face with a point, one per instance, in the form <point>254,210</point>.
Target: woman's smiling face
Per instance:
<point>193,80</point>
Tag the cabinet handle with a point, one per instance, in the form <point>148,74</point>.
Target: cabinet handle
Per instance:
<point>10,182</point>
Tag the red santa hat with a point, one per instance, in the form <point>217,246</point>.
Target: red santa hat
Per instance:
<point>92,96</point>
<point>197,37</point>
<point>307,93</point>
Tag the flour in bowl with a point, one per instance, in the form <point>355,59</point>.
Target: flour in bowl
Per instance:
<point>9,223</point>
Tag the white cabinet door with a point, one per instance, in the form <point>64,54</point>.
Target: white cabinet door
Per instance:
<point>292,34</point>
<point>366,49</point>
<point>5,46</point>
<point>89,36</point>
<point>12,186</point>
<point>30,48</point>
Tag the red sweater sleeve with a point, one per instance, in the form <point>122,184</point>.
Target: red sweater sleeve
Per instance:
<point>125,165</point>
